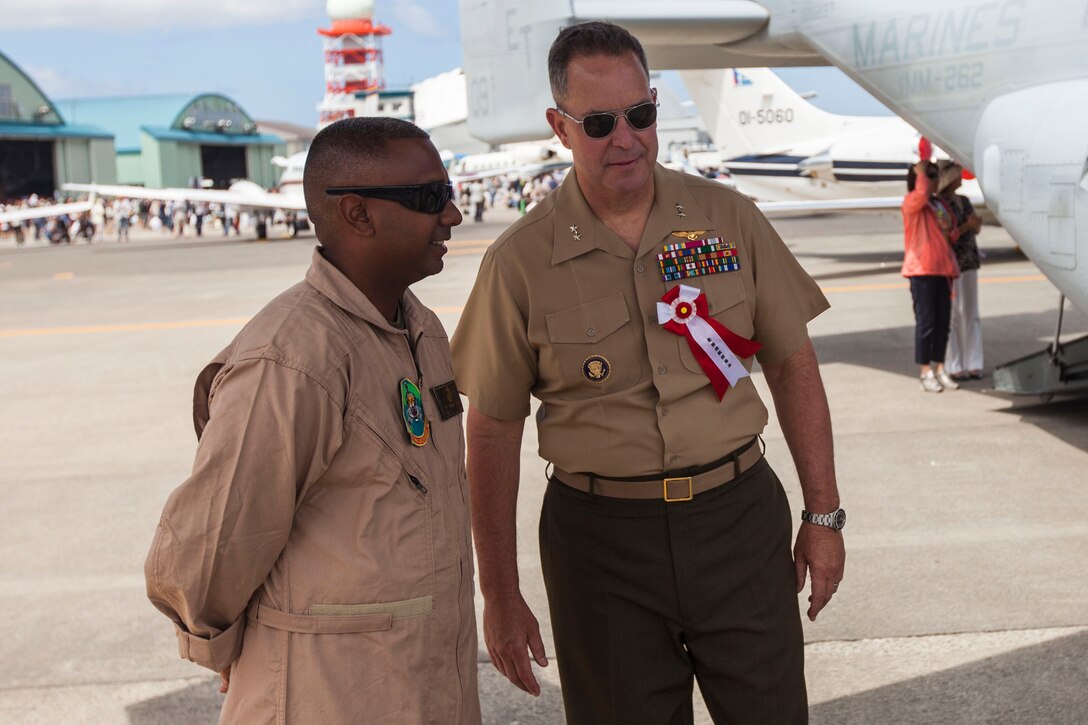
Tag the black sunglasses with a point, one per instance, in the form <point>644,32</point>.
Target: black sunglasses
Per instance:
<point>600,125</point>
<point>429,198</point>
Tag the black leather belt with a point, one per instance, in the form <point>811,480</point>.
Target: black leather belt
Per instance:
<point>682,485</point>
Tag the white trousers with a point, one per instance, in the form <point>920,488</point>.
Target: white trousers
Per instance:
<point>964,352</point>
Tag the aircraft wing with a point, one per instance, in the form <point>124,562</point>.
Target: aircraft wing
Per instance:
<point>44,212</point>
<point>828,206</point>
<point>506,49</point>
<point>530,170</point>
<point>243,193</point>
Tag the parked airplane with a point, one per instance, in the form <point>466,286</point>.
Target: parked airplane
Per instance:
<point>526,159</point>
<point>44,211</point>
<point>780,147</point>
<point>1000,89</point>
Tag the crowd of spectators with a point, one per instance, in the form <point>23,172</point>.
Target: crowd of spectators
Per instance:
<point>112,219</point>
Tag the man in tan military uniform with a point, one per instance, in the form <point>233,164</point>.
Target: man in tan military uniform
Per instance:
<point>319,556</point>
<point>665,536</point>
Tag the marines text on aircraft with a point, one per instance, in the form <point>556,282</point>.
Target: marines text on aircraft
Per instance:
<point>1002,89</point>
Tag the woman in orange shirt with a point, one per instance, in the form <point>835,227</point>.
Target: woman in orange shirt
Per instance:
<point>930,265</point>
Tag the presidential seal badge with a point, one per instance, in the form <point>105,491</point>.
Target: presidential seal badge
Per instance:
<point>415,421</point>
<point>596,368</point>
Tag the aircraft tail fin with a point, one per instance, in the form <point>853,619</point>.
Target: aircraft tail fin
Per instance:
<point>506,66</point>
<point>751,110</point>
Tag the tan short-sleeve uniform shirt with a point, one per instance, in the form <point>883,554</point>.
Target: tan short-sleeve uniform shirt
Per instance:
<point>559,291</point>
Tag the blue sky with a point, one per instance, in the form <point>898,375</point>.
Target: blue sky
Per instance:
<point>265,54</point>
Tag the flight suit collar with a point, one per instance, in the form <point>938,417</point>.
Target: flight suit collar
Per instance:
<point>674,210</point>
<point>332,283</point>
<point>578,231</point>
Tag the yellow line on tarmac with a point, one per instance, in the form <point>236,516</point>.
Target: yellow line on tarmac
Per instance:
<point>866,287</point>
<point>135,327</point>
<point>1005,280</point>
<point>239,321</point>
<point>469,243</point>
<point>905,285</point>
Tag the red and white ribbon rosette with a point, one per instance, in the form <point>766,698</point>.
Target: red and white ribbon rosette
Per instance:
<point>683,311</point>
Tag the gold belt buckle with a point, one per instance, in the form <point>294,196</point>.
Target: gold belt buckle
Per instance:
<point>670,499</point>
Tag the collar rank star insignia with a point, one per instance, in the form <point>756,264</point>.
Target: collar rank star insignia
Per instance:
<point>697,257</point>
<point>683,311</point>
<point>574,233</point>
<point>415,421</point>
<point>680,210</point>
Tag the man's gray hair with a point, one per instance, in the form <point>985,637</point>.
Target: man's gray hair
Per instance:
<point>596,37</point>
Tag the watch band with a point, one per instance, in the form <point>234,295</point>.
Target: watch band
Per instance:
<point>834,520</point>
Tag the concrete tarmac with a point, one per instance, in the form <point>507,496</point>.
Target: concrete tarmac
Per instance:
<point>965,598</point>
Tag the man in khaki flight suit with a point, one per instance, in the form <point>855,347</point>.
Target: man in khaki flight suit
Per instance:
<point>665,536</point>
<point>319,556</point>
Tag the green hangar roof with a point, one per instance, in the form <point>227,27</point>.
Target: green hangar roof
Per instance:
<point>26,112</point>
<point>206,118</point>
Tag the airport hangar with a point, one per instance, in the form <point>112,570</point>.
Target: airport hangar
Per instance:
<point>172,140</point>
<point>39,148</point>
<point>154,141</point>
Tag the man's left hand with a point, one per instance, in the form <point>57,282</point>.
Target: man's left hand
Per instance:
<point>819,550</point>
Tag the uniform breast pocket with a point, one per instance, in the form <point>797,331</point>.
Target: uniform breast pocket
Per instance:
<point>594,347</point>
<point>726,299</point>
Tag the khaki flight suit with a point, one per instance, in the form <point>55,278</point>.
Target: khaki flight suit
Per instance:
<point>314,547</point>
<point>564,310</point>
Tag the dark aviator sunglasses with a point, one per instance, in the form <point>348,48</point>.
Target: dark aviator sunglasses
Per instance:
<point>599,125</point>
<point>429,198</point>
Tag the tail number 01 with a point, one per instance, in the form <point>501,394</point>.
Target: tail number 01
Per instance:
<point>765,116</point>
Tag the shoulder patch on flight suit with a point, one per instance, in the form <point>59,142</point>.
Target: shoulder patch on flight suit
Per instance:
<point>415,420</point>
<point>449,402</point>
<point>697,257</point>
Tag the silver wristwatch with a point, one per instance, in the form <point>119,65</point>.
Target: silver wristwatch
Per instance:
<point>834,520</point>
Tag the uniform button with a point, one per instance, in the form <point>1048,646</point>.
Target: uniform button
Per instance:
<point>664,411</point>
<point>673,458</point>
<point>661,370</point>
<point>640,268</point>
<point>591,332</point>
<point>652,317</point>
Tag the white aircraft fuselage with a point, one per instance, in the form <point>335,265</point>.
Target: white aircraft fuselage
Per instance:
<point>1001,88</point>
<point>779,147</point>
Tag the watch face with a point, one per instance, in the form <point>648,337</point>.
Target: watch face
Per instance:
<point>839,519</point>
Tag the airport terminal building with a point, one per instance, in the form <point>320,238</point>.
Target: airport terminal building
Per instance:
<point>40,148</point>
<point>172,140</point>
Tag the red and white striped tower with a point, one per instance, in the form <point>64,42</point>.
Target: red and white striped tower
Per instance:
<point>353,58</point>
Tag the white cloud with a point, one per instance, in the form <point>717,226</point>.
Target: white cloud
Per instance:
<point>141,14</point>
<point>62,85</point>
<point>419,19</point>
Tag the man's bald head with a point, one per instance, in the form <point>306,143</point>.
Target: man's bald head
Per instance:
<point>348,153</point>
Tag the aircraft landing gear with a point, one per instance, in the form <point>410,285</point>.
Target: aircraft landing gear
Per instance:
<point>1059,369</point>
